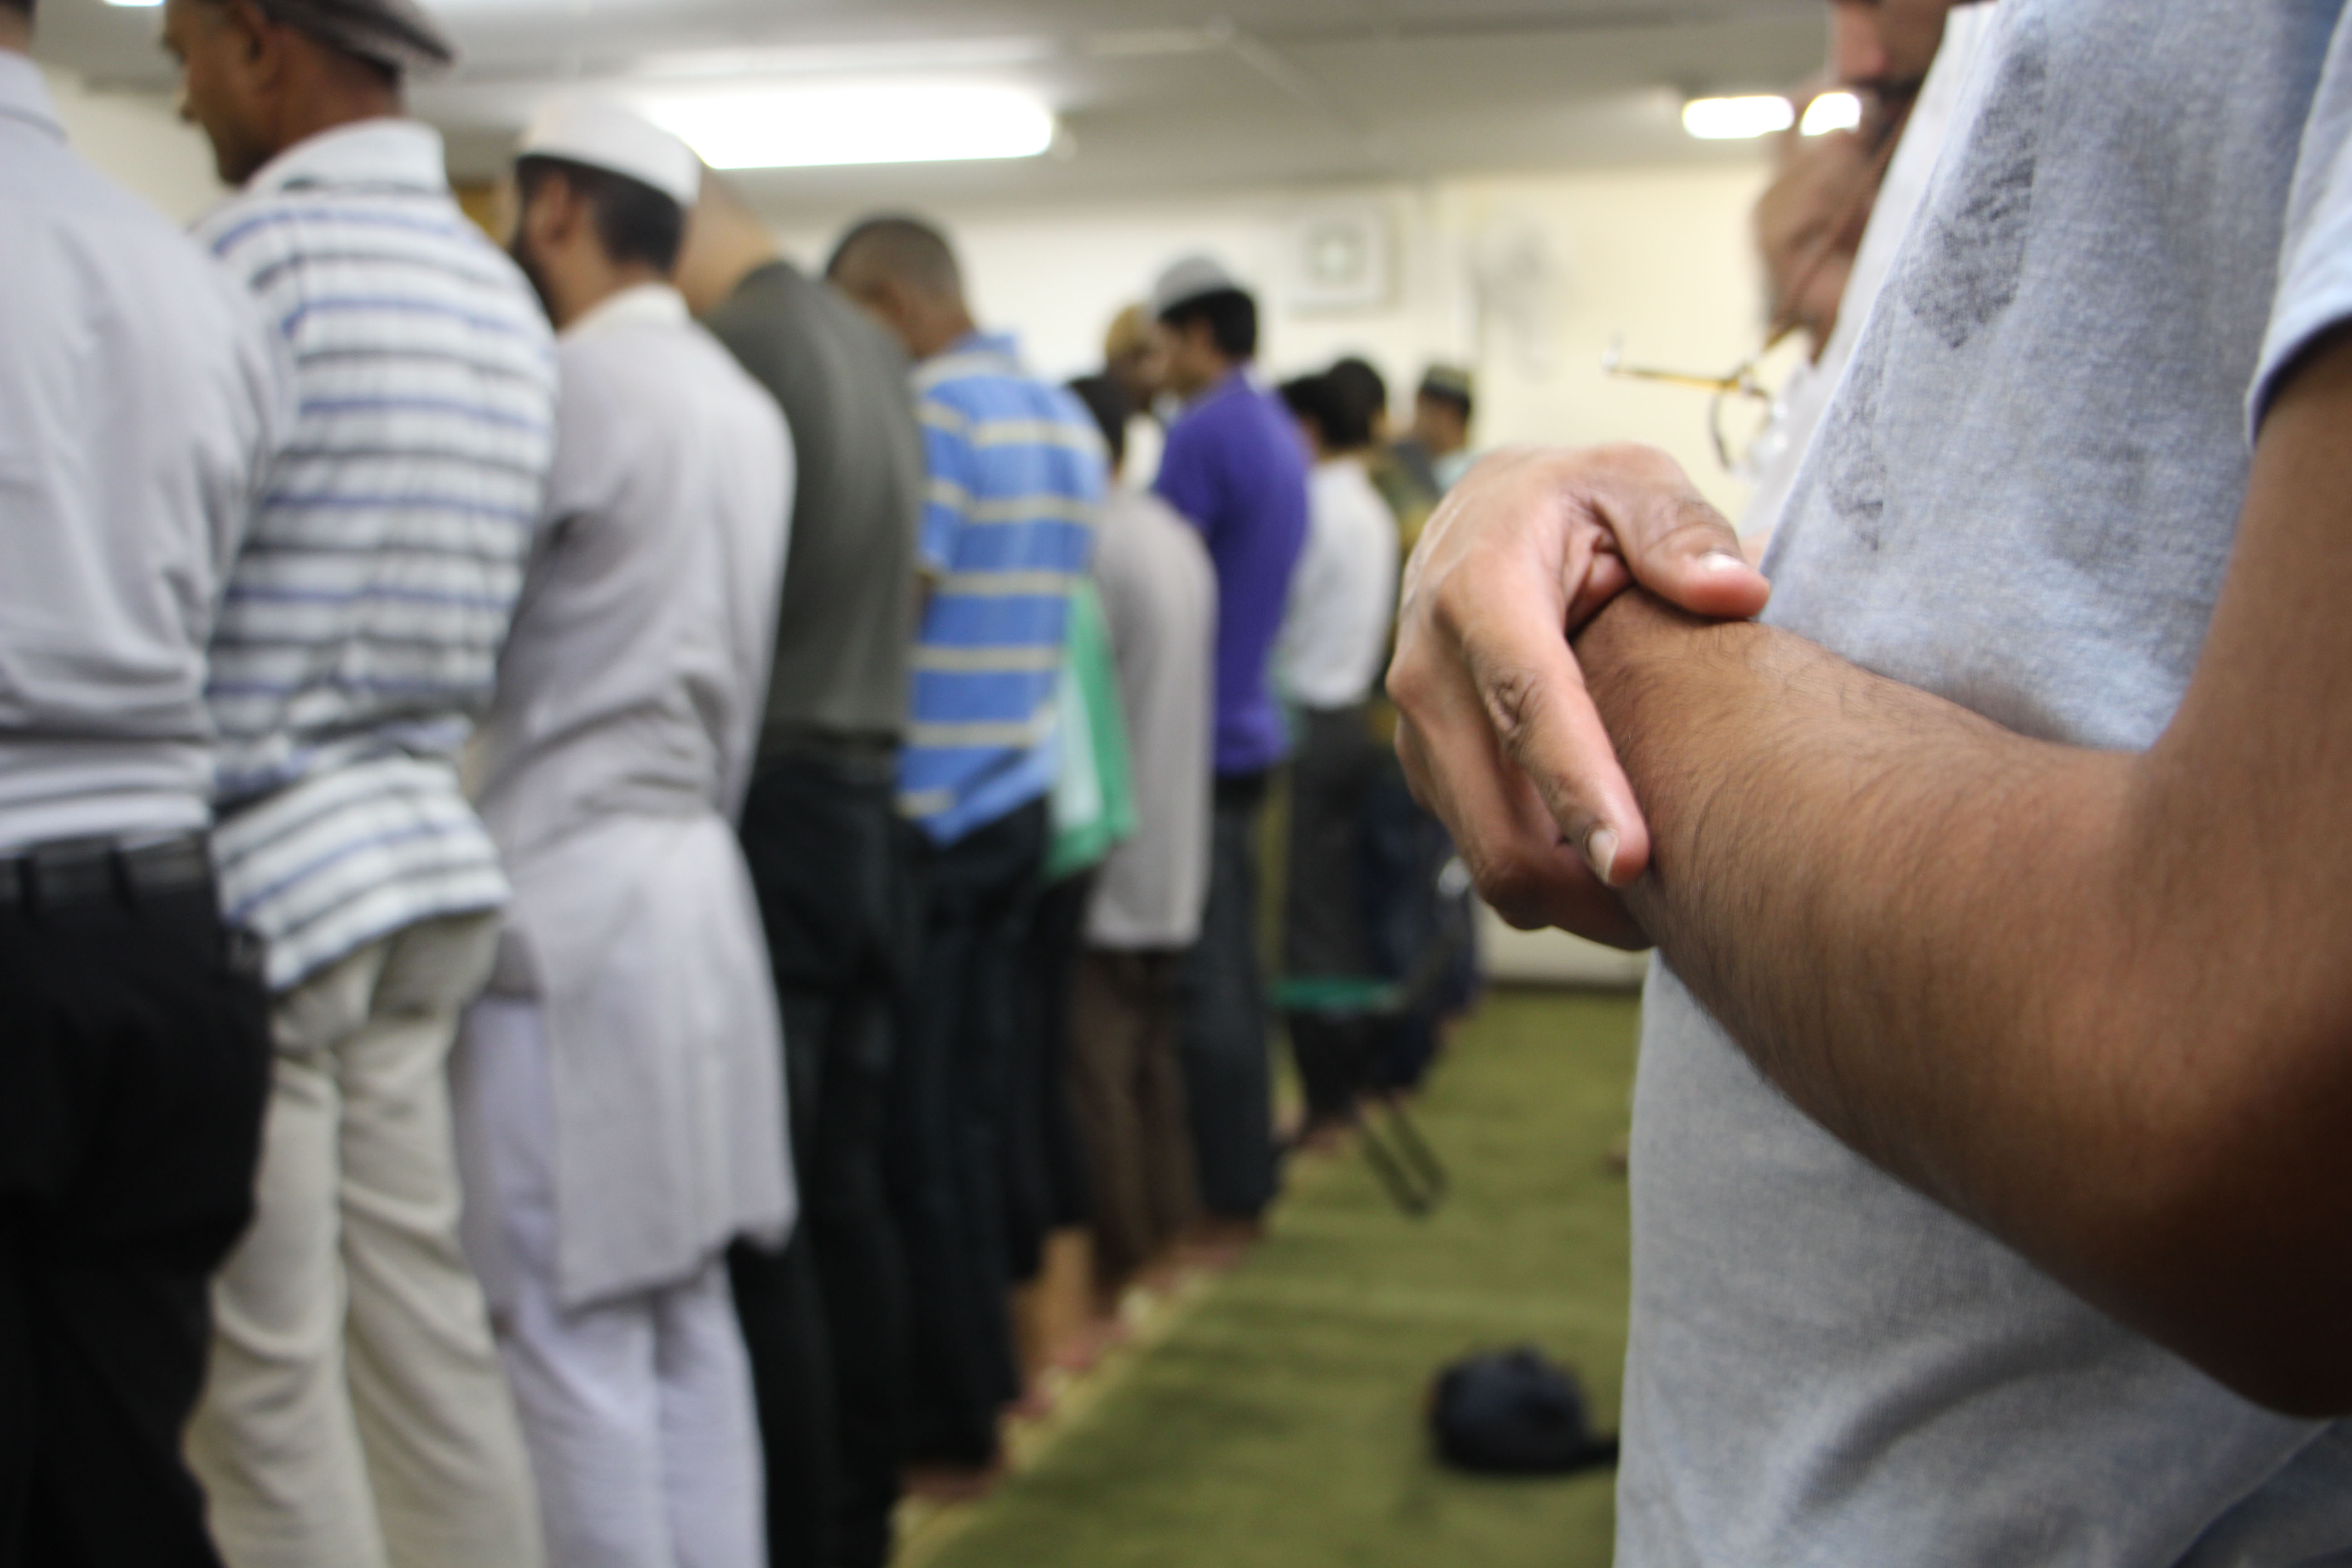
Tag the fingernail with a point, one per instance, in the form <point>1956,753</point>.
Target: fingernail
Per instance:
<point>1601,854</point>
<point>1723,560</point>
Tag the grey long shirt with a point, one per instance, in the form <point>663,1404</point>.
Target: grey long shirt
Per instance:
<point>847,625</point>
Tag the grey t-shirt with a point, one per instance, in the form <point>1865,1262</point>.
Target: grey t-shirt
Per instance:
<point>1160,601</point>
<point>2024,499</point>
<point>846,630</point>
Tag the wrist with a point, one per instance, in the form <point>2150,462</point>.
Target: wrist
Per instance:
<point>1653,672</point>
<point>1615,649</point>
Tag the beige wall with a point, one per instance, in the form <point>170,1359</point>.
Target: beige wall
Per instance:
<point>139,139</point>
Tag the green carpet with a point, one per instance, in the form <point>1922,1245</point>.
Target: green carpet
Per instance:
<point>1280,1424</point>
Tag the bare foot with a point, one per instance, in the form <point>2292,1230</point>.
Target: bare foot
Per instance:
<point>951,1483</point>
<point>1221,1241</point>
<point>1326,1136</point>
<point>1085,1350</point>
<point>1036,1401</point>
<point>1163,1275</point>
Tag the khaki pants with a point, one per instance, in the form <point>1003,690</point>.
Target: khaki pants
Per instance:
<point>356,1415</point>
<point>1128,1088</point>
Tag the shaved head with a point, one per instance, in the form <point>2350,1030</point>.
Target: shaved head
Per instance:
<point>725,202</point>
<point>902,252</point>
<point>903,273</point>
<point>725,242</point>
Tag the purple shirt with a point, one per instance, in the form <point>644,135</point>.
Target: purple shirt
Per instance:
<point>1235,468</point>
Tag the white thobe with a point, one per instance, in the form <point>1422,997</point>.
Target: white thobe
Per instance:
<point>619,1092</point>
<point>610,770</point>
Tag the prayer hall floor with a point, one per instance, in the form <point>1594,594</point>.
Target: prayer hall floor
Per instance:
<point>1272,1418</point>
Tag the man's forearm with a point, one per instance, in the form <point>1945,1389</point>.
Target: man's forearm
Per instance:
<point>1860,881</point>
<point>1937,937</point>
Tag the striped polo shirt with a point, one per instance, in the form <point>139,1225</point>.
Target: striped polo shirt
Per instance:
<point>359,634</point>
<point>1016,477</point>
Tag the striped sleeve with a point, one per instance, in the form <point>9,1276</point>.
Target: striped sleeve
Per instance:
<point>360,627</point>
<point>948,456</point>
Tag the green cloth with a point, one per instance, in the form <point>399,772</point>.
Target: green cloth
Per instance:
<point>1093,793</point>
<point>1339,996</point>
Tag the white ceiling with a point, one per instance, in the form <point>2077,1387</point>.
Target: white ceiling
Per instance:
<point>1155,96</point>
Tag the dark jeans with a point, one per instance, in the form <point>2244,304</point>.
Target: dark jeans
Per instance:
<point>825,1320</point>
<point>1044,1172</point>
<point>1324,933</point>
<point>1405,849</point>
<point>1227,1079</point>
<point>949,1106</point>
<point>134,1068</point>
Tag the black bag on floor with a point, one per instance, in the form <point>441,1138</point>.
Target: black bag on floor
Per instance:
<point>1514,1412</point>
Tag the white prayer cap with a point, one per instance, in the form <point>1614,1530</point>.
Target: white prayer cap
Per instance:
<point>601,135</point>
<point>1193,278</point>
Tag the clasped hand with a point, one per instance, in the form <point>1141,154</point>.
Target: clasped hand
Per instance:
<point>1499,735</point>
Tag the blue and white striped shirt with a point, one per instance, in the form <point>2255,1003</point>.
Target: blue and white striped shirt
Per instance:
<point>1016,483</point>
<point>361,631</point>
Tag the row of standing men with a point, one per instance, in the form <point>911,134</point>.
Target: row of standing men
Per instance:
<point>551,1163</point>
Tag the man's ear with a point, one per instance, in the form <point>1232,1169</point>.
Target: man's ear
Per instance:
<point>259,43</point>
<point>562,210</point>
<point>554,215</point>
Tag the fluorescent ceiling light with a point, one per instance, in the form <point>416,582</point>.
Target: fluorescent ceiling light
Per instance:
<point>777,126</point>
<point>138,4</point>
<point>866,60</point>
<point>1832,111</point>
<point>1738,118</point>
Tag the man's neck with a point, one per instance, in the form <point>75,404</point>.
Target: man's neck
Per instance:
<point>351,96</point>
<point>1219,377</point>
<point>609,283</point>
<point>950,326</point>
<point>15,31</point>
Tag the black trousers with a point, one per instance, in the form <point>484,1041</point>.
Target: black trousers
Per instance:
<point>1405,849</point>
<point>134,1068</point>
<point>1227,1079</point>
<point>1045,1173</point>
<point>950,1106</point>
<point>1325,932</point>
<point>825,1320</point>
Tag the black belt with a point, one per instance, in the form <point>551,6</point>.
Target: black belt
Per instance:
<point>89,870</point>
<point>866,758</point>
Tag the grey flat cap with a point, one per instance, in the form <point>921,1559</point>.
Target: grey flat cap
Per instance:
<point>1195,278</point>
<point>392,33</point>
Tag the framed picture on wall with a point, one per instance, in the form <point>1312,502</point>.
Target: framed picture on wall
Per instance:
<point>1342,258</point>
